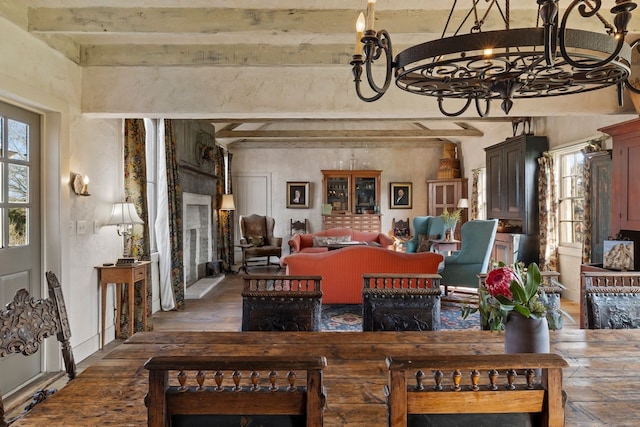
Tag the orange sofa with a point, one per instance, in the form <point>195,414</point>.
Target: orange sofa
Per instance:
<point>304,242</point>
<point>342,269</point>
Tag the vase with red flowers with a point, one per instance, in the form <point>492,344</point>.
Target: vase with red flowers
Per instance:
<point>511,299</point>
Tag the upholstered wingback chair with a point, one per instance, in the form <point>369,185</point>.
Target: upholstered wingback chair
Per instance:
<point>257,239</point>
<point>462,267</point>
<point>425,228</point>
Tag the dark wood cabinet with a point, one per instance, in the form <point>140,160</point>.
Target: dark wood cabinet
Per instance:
<point>512,172</point>
<point>444,194</point>
<point>599,169</point>
<point>625,188</point>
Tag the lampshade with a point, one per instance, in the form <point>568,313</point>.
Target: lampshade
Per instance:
<point>463,203</point>
<point>124,213</point>
<point>227,203</point>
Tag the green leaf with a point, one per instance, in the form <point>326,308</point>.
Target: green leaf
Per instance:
<point>522,310</point>
<point>517,292</point>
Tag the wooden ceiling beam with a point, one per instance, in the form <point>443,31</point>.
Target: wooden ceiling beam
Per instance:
<point>349,134</point>
<point>336,143</point>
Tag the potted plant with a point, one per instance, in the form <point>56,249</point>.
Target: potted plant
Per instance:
<point>450,219</point>
<point>514,289</point>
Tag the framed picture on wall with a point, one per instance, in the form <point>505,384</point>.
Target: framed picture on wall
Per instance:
<point>298,195</point>
<point>400,195</point>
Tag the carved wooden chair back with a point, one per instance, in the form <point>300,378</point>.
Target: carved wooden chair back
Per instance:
<point>401,302</point>
<point>26,322</point>
<point>471,389</point>
<point>259,388</point>
<point>263,309</point>
<point>400,228</point>
<point>299,227</point>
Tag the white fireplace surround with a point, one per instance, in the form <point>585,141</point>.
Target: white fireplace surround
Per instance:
<point>197,234</point>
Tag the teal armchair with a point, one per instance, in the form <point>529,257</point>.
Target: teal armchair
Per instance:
<point>427,226</point>
<point>462,267</point>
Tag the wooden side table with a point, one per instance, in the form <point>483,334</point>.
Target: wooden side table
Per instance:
<point>442,246</point>
<point>123,275</point>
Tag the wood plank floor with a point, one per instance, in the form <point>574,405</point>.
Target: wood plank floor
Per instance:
<point>218,310</point>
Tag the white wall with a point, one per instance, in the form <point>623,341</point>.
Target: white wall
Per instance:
<point>34,77</point>
<point>400,165</point>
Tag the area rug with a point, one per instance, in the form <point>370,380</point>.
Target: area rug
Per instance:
<point>348,317</point>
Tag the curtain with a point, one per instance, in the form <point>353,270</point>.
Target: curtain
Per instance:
<point>135,190</point>
<point>548,208</point>
<point>474,194</point>
<point>224,224</point>
<point>163,235</point>
<point>174,209</point>
<point>593,146</point>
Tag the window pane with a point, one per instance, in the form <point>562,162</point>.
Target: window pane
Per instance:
<point>18,140</point>
<point>18,183</point>
<point>18,232</point>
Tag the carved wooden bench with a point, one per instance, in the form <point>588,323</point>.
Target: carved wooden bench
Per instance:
<point>281,303</point>
<point>26,322</point>
<point>401,302</point>
<point>221,391</point>
<point>472,389</point>
<point>609,299</point>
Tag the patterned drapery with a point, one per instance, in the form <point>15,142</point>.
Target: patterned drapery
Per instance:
<point>593,146</point>
<point>474,194</point>
<point>175,214</point>
<point>135,190</point>
<point>548,218</point>
<point>224,224</point>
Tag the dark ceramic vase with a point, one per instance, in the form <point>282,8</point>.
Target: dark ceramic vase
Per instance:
<point>525,335</point>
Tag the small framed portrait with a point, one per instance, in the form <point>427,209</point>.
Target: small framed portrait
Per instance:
<point>298,195</point>
<point>400,195</point>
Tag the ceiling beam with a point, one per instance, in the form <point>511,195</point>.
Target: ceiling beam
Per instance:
<point>336,143</point>
<point>349,134</point>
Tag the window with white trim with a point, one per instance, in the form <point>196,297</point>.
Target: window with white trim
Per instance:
<point>569,170</point>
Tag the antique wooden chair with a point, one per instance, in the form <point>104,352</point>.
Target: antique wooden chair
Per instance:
<point>400,233</point>
<point>401,302</point>
<point>299,227</point>
<point>610,300</point>
<point>259,390</point>
<point>257,239</point>
<point>471,389</point>
<point>281,303</point>
<point>26,322</point>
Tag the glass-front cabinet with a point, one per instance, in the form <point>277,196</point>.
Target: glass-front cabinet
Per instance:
<point>354,196</point>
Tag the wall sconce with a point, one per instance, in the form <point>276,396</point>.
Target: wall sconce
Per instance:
<point>124,215</point>
<point>80,184</point>
<point>227,203</point>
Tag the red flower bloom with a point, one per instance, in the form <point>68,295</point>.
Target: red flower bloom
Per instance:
<point>499,280</point>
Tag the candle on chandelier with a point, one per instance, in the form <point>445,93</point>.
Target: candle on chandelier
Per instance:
<point>370,15</point>
<point>359,33</point>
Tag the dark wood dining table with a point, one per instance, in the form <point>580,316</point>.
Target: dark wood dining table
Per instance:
<point>599,381</point>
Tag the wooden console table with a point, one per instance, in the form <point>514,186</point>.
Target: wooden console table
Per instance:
<point>123,275</point>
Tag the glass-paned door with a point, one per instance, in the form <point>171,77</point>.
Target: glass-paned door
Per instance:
<point>20,259</point>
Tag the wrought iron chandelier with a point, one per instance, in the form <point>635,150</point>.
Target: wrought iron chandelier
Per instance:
<point>547,60</point>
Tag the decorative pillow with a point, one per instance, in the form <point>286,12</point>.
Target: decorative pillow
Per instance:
<point>423,243</point>
<point>329,240</point>
<point>255,240</point>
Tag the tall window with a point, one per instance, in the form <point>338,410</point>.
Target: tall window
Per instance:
<point>569,171</point>
<point>482,193</point>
